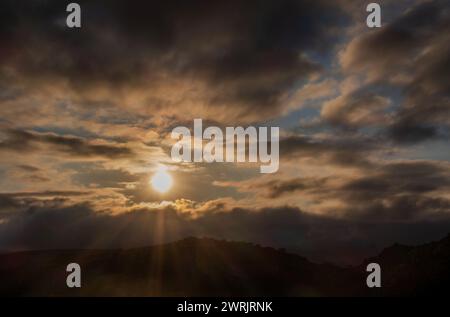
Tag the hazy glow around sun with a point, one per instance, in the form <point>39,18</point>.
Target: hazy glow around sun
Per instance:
<point>161,181</point>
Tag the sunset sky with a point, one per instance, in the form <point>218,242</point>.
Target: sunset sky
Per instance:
<point>86,116</point>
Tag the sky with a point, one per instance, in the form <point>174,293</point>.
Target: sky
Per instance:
<point>86,116</point>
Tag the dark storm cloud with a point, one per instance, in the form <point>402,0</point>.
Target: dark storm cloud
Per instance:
<point>360,108</point>
<point>400,191</point>
<point>409,132</point>
<point>28,168</point>
<point>7,201</point>
<point>243,54</point>
<point>323,238</point>
<point>351,152</point>
<point>17,202</point>
<point>411,177</point>
<point>395,43</point>
<point>412,53</point>
<point>26,141</point>
<point>277,188</point>
<point>31,173</point>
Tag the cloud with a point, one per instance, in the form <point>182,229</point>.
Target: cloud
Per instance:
<point>96,176</point>
<point>27,141</point>
<point>222,60</point>
<point>28,168</point>
<point>59,226</point>
<point>67,193</point>
<point>411,54</point>
<point>341,151</point>
<point>408,132</point>
<point>386,192</point>
<point>394,46</point>
<point>277,188</point>
<point>357,109</point>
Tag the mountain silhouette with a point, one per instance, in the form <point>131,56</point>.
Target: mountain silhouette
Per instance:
<point>209,267</point>
<point>414,270</point>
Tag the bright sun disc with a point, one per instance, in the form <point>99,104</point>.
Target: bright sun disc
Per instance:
<point>161,181</point>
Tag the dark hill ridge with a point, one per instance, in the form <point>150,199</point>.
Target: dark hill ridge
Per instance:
<point>415,270</point>
<point>208,267</point>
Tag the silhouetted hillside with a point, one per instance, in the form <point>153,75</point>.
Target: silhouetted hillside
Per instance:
<point>208,267</point>
<point>414,270</point>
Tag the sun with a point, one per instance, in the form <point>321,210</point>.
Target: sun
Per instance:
<point>161,181</point>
